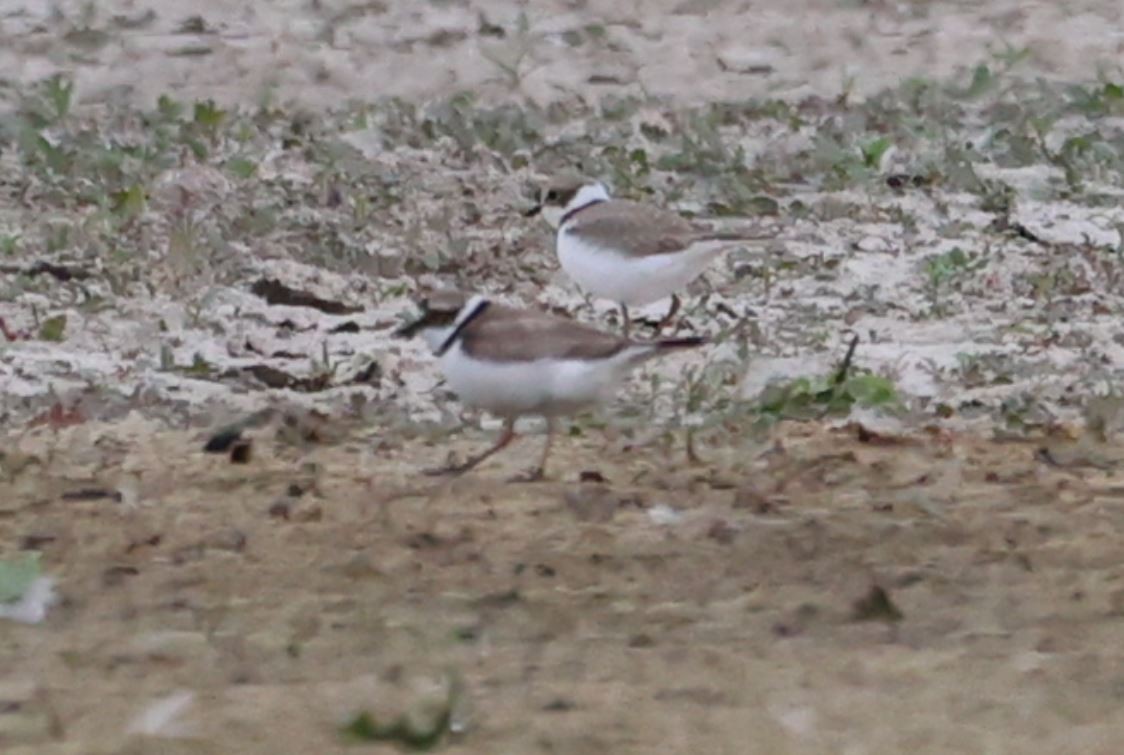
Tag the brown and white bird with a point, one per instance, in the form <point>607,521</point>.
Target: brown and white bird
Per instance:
<point>625,251</point>
<point>519,362</point>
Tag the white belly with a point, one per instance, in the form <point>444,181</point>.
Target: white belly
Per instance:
<point>633,281</point>
<point>549,387</point>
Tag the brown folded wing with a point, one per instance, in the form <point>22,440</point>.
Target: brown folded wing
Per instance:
<point>503,334</point>
<point>639,230</point>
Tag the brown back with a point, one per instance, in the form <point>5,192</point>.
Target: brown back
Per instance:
<point>505,334</point>
<point>639,230</point>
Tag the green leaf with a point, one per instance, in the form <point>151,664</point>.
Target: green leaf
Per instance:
<point>982,80</point>
<point>9,244</point>
<point>242,167</point>
<point>198,148</point>
<point>873,152</point>
<point>17,575</point>
<point>871,390</point>
<point>364,728</point>
<point>129,202</point>
<point>57,159</point>
<point>208,114</point>
<point>199,366</point>
<point>53,329</point>
<point>169,109</point>
<point>60,93</point>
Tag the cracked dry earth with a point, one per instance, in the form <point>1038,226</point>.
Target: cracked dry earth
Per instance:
<point>724,607</point>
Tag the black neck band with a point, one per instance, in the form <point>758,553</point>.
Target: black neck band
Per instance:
<point>452,337</point>
<point>578,209</point>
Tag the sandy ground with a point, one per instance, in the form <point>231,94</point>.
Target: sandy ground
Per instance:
<point>654,606</point>
<point>681,609</point>
<point>321,53</point>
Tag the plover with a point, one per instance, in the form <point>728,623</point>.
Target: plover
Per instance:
<point>518,362</point>
<point>625,251</point>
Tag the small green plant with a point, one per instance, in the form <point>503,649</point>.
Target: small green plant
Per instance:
<point>814,397</point>
<point>946,271</point>
<point>9,244</point>
<point>129,203</point>
<point>199,367</point>
<point>402,731</point>
<point>874,150</point>
<point>419,730</point>
<point>982,369</point>
<point>17,575</point>
<point>53,329</point>
<point>50,102</point>
<point>60,94</point>
<point>511,56</point>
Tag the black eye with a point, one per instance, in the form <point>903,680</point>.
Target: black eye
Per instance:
<point>552,195</point>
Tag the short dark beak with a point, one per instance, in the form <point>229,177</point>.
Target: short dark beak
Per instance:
<point>410,329</point>
<point>533,211</point>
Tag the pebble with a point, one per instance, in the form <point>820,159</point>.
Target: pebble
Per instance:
<point>873,244</point>
<point>663,514</point>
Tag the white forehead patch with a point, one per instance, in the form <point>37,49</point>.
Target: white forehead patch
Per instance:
<point>591,192</point>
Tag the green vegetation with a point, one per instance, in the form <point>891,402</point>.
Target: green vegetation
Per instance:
<point>17,575</point>
<point>820,396</point>
<point>173,198</point>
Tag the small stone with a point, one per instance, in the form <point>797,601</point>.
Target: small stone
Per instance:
<point>641,641</point>
<point>591,503</point>
<point>876,606</point>
<point>188,554</point>
<point>35,541</point>
<point>664,515</point>
<point>169,645</point>
<point>162,718</point>
<point>872,244</point>
<point>310,514</point>
<point>741,60</point>
<point>358,566</point>
<point>116,575</point>
<point>241,452</point>
<point>749,497</point>
<point>229,539</point>
<point>721,532</point>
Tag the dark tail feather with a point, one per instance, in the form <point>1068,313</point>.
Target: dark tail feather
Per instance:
<point>680,343</point>
<point>642,351</point>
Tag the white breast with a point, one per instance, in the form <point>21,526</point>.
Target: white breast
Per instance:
<point>548,387</point>
<point>633,281</point>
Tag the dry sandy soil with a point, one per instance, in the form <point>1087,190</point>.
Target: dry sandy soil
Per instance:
<point>324,51</point>
<point>670,608</point>
<point>824,587</point>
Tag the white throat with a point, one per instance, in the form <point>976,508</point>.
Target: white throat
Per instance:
<point>585,196</point>
<point>435,336</point>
